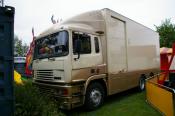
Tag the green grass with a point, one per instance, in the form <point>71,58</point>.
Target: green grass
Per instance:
<point>128,103</point>
<point>28,101</point>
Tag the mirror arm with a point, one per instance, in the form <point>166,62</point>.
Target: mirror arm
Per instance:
<point>77,57</point>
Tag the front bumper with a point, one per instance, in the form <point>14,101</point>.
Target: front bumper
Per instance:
<point>69,96</point>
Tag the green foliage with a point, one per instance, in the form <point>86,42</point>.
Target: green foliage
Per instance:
<point>29,102</point>
<point>20,49</point>
<point>167,33</point>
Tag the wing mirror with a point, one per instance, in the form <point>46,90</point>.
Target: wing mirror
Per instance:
<point>77,48</point>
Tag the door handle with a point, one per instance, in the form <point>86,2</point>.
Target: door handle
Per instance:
<point>52,59</point>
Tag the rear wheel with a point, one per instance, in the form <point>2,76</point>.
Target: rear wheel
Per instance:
<point>142,83</point>
<point>94,96</point>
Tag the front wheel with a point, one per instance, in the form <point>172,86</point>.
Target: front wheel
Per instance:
<point>94,96</point>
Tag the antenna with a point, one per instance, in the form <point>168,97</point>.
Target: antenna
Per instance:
<point>52,19</point>
<point>1,3</point>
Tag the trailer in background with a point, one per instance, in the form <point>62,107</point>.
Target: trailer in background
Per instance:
<point>20,65</point>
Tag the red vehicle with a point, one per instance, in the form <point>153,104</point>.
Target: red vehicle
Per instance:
<point>29,58</point>
<point>167,63</point>
<point>165,55</point>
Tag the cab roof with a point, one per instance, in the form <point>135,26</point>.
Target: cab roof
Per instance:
<point>90,22</point>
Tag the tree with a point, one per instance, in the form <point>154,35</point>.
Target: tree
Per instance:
<point>25,49</point>
<point>167,33</point>
<point>20,49</point>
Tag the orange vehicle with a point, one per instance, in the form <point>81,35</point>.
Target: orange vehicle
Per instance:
<point>160,89</point>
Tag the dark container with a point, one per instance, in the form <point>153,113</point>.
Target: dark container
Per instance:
<point>6,60</point>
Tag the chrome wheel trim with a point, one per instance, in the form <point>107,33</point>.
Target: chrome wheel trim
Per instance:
<point>95,97</point>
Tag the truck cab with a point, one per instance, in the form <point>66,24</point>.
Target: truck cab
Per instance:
<point>63,62</point>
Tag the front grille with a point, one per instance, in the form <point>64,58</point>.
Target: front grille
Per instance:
<point>44,74</point>
<point>46,90</point>
<point>52,92</point>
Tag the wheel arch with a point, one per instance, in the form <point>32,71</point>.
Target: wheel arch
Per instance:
<point>97,78</point>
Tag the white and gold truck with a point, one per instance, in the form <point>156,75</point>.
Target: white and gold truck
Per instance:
<point>93,55</point>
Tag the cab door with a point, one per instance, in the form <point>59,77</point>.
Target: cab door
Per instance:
<point>90,55</point>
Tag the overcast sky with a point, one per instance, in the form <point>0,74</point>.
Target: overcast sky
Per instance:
<point>37,13</point>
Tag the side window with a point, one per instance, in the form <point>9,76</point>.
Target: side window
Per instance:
<point>96,41</point>
<point>85,40</point>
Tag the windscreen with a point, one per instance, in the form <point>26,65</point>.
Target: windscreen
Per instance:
<point>54,45</point>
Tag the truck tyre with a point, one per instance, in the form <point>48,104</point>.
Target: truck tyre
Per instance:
<point>94,97</point>
<point>142,83</point>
